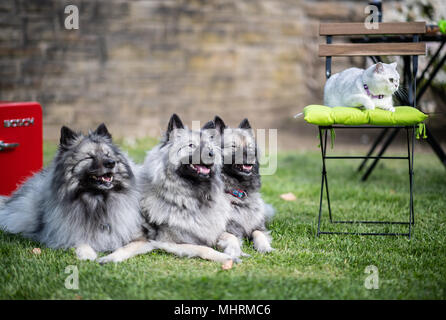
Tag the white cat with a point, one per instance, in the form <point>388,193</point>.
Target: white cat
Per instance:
<point>371,88</point>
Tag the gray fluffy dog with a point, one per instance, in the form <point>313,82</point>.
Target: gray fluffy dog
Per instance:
<point>182,197</point>
<point>86,198</point>
<point>240,174</point>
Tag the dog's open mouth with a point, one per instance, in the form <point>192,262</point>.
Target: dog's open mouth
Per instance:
<point>104,180</point>
<point>245,168</point>
<point>201,169</point>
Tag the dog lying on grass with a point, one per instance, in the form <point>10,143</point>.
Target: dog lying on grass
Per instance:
<point>182,198</point>
<point>85,199</point>
<point>240,174</point>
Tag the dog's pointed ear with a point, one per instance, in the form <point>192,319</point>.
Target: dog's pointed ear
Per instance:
<point>67,136</point>
<point>103,131</point>
<point>244,124</point>
<point>208,125</point>
<point>174,123</point>
<point>219,124</point>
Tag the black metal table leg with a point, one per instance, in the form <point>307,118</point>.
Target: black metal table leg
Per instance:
<point>381,152</point>
<point>436,146</point>
<point>372,149</point>
<point>437,68</point>
<point>430,137</point>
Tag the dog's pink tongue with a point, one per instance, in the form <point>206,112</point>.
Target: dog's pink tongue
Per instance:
<point>203,169</point>
<point>247,167</point>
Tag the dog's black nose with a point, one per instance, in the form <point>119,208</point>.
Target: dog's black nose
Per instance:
<point>211,153</point>
<point>109,163</point>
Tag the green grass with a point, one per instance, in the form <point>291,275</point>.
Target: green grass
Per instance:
<point>302,267</point>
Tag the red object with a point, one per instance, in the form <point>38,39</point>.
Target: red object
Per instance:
<point>21,143</point>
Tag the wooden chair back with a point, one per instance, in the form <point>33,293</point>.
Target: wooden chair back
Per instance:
<point>372,49</point>
<point>396,47</point>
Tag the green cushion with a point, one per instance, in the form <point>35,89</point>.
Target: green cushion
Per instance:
<point>320,115</point>
<point>325,116</point>
<point>349,116</point>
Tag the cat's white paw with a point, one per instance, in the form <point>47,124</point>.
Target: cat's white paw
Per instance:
<point>85,252</point>
<point>388,108</point>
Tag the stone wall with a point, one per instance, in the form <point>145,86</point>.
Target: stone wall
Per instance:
<point>132,64</point>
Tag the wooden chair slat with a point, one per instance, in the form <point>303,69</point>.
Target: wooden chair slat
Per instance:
<point>358,28</point>
<point>372,49</point>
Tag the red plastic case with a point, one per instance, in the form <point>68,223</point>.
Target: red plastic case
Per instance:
<point>21,143</point>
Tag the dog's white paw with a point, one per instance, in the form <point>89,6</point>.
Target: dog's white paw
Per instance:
<point>237,260</point>
<point>262,241</point>
<point>86,252</point>
<point>113,257</point>
<point>108,259</point>
<point>234,252</point>
<point>244,254</point>
<point>264,248</point>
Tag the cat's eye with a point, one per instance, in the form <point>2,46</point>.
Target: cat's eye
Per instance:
<point>391,80</point>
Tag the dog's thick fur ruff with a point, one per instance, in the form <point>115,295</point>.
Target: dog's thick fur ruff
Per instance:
<point>249,214</point>
<point>186,214</point>
<point>80,200</point>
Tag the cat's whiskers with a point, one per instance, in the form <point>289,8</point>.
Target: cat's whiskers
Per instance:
<point>402,94</point>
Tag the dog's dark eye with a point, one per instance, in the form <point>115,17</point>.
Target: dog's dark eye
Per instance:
<point>191,145</point>
<point>391,80</point>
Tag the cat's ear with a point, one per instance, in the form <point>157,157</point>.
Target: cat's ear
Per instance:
<point>379,68</point>
<point>393,65</point>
